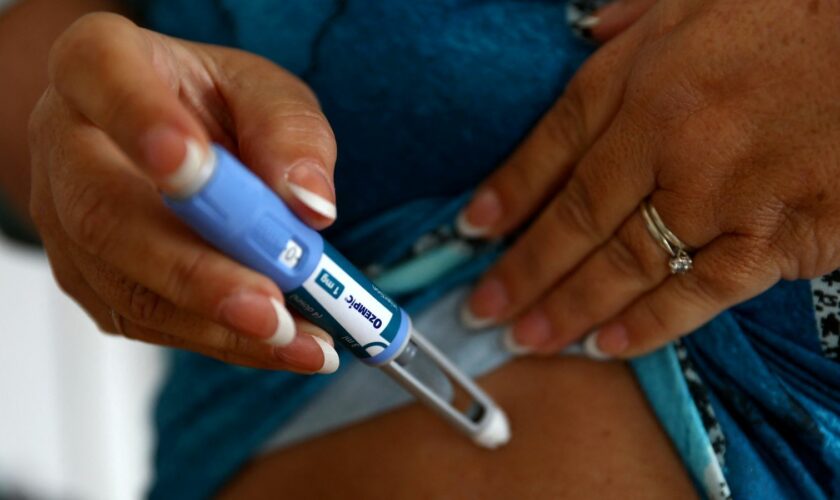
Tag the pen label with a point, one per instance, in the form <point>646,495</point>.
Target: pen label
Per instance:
<point>329,283</point>
<point>351,306</point>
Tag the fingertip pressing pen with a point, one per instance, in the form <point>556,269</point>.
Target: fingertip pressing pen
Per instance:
<point>233,210</point>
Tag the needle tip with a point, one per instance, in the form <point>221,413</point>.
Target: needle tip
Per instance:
<point>496,430</point>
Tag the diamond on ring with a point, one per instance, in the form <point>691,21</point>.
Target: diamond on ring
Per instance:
<point>680,262</point>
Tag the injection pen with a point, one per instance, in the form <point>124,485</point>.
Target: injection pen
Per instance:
<point>237,213</point>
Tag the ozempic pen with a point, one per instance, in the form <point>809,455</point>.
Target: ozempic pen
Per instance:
<point>236,212</point>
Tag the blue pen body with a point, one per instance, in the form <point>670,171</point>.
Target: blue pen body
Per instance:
<point>239,215</point>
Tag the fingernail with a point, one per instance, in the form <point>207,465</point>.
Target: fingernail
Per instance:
<point>532,330</point>
<point>180,165</point>
<point>308,353</point>
<point>582,18</point>
<point>310,329</point>
<point>471,322</point>
<point>512,346</point>
<point>480,215</point>
<point>260,316</point>
<point>587,22</point>
<point>485,305</point>
<point>590,347</point>
<point>330,356</point>
<point>301,353</point>
<point>583,26</point>
<point>285,331</point>
<point>607,342</point>
<point>307,182</point>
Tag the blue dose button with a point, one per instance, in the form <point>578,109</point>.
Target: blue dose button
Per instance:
<point>276,242</point>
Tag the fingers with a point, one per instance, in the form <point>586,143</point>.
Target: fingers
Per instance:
<point>144,315</point>
<point>544,161</point>
<point>608,185</point>
<point>64,270</point>
<point>308,353</point>
<point>147,316</point>
<point>122,81</point>
<point>628,265</point>
<point>281,132</point>
<point>129,83</point>
<point>104,208</point>
<point>126,98</point>
<point>730,270</point>
<point>104,213</point>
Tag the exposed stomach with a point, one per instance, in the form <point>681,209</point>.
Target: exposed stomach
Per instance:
<point>581,429</point>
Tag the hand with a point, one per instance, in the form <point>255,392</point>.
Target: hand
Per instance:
<point>126,105</point>
<point>725,116</point>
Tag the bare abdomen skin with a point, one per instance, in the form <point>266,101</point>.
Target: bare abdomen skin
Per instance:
<point>581,429</point>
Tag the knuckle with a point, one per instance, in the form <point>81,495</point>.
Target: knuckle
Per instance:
<point>659,323</point>
<point>182,276</point>
<point>232,343</point>
<point>627,258</point>
<point>634,253</point>
<point>144,306</point>
<point>299,117</point>
<point>565,123</point>
<point>92,218</point>
<point>575,210</point>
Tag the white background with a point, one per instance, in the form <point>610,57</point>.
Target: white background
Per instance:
<point>75,404</point>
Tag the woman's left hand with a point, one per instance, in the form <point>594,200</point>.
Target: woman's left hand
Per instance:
<point>726,117</point>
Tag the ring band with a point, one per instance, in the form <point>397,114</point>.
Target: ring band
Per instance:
<point>680,262</point>
<point>118,321</point>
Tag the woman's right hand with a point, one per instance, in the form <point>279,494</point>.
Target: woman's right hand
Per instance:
<point>126,105</point>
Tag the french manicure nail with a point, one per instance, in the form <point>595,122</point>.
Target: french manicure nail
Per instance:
<point>485,304</point>
<point>480,215</point>
<point>330,356</point>
<point>591,349</point>
<point>310,329</point>
<point>307,182</point>
<point>512,346</point>
<point>588,21</point>
<point>533,329</point>
<point>471,322</point>
<point>583,16</point>
<point>191,174</point>
<point>302,354</point>
<point>178,163</point>
<point>285,331</point>
<point>259,316</point>
<point>613,339</point>
<point>607,342</point>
